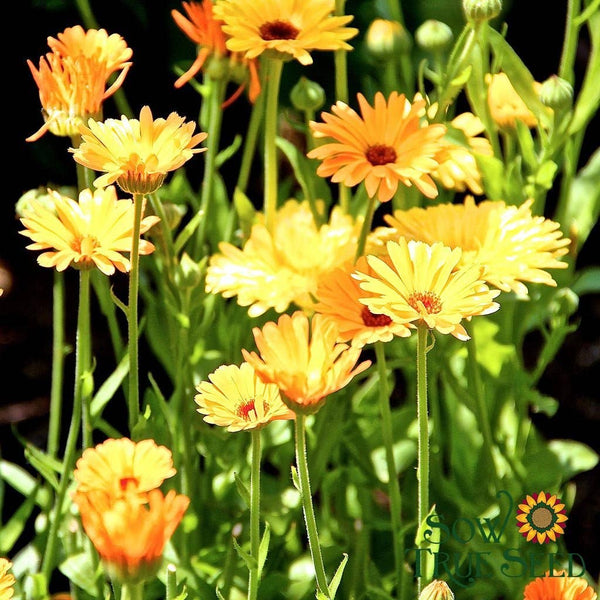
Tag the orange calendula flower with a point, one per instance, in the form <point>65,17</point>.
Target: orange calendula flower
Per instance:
<point>93,232</point>
<point>506,106</point>
<point>278,268</point>
<point>541,518</point>
<point>338,300</point>
<point>7,580</point>
<point>130,536</point>
<point>303,357</point>
<point>236,398</point>
<point>458,168</point>
<point>206,31</point>
<point>510,243</point>
<point>386,145</point>
<point>72,79</point>
<point>120,467</point>
<point>290,28</point>
<point>559,586</point>
<point>424,284</point>
<point>137,154</point>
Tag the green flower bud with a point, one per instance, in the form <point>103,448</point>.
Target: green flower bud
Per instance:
<point>386,39</point>
<point>478,11</point>
<point>189,273</point>
<point>41,197</point>
<point>434,36</point>
<point>217,67</point>
<point>307,95</point>
<point>556,93</point>
<point>436,590</point>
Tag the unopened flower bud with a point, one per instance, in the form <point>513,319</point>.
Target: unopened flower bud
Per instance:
<point>434,36</point>
<point>386,39</point>
<point>307,95</point>
<point>556,93</point>
<point>478,11</point>
<point>436,590</point>
<point>189,273</point>
<point>40,196</point>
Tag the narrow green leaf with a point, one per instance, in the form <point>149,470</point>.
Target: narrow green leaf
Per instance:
<point>43,464</point>
<point>263,548</point>
<point>337,578</point>
<point>80,570</point>
<point>295,479</point>
<point>108,389</point>
<point>248,559</point>
<point>245,211</point>
<point>242,489</point>
<point>225,154</point>
<point>9,534</point>
<point>24,483</point>
<point>188,231</point>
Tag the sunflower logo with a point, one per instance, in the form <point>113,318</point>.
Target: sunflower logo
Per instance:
<point>541,518</point>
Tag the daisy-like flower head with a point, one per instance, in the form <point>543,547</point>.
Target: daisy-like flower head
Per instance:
<point>510,243</point>
<point>206,31</point>
<point>458,168</point>
<point>541,518</point>
<point>424,284</point>
<point>338,300</point>
<point>130,536</point>
<point>137,154</point>
<point>506,106</point>
<point>72,79</point>
<point>236,398</point>
<point>122,467</point>
<point>93,232</point>
<point>386,145</point>
<point>559,586</point>
<point>304,359</point>
<point>436,590</point>
<point>7,580</point>
<point>275,269</point>
<point>286,28</point>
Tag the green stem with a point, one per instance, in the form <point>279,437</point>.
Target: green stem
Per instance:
<point>254,514</point>
<point>58,361</point>
<point>309,512</point>
<point>423,435</point>
<point>133,398</point>
<point>393,483</point>
<point>256,117</point>
<point>275,66</point>
<point>171,585</point>
<point>366,227</point>
<point>83,318</point>
<point>569,49</point>
<point>216,96</point>
<point>132,591</point>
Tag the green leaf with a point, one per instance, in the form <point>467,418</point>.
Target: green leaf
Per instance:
<point>492,174</point>
<point>295,479</point>
<point>80,570</point>
<point>10,532</point>
<point>587,281</point>
<point>428,538</point>
<point>248,559</point>
<point>337,578</point>
<point>462,77</point>
<point>263,548</point>
<point>225,154</point>
<point>245,211</point>
<point>24,483</point>
<point>574,457</point>
<point>188,231</point>
<point>108,389</point>
<point>242,489</point>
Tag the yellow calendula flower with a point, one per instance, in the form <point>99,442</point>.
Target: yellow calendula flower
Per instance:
<point>120,467</point>
<point>506,106</point>
<point>93,232</point>
<point>137,154</point>
<point>510,243</point>
<point>130,536</point>
<point>302,356</point>
<point>338,300</point>
<point>7,580</point>
<point>386,145</point>
<point>458,168</point>
<point>289,28</point>
<point>73,78</point>
<point>278,268</point>
<point>236,398</point>
<point>207,33</point>
<point>559,586</point>
<point>423,284</point>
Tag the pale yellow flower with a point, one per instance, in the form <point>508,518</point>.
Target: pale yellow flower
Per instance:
<point>7,580</point>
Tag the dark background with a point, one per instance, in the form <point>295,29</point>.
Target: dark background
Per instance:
<point>25,308</point>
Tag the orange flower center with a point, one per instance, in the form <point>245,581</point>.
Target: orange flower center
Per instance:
<point>243,410</point>
<point>278,30</point>
<point>126,482</point>
<point>380,154</point>
<point>85,245</point>
<point>372,320</point>
<point>425,300</point>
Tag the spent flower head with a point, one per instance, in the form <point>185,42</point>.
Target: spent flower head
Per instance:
<point>137,154</point>
<point>287,29</point>
<point>388,144</point>
<point>91,232</point>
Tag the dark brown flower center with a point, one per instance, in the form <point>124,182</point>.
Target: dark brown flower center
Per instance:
<point>429,300</point>
<point>380,154</point>
<point>278,30</point>
<point>372,320</point>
